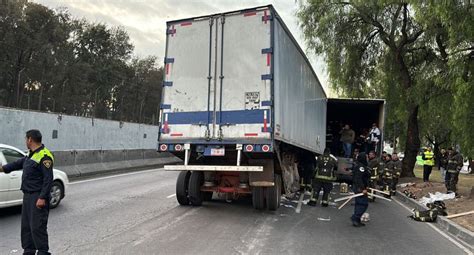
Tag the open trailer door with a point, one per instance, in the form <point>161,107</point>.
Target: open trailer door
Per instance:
<point>359,114</point>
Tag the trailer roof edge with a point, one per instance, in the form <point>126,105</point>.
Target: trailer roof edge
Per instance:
<point>220,13</point>
<point>277,15</point>
<point>298,47</point>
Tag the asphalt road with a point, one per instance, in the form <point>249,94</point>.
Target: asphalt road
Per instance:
<point>138,214</point>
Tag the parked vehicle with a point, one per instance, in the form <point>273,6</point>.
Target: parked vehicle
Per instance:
<point>10,193</point>
<point>241,106</point>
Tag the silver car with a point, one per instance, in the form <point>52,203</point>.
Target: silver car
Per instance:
<point>10,193</point>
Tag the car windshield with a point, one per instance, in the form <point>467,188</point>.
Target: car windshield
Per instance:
<point>11,155</point>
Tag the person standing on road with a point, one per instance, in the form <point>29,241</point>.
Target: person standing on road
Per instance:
<point>428,163</point>
<point>325,174</point>
<point>360,184</point>
<point>373,165</point>
<point>455,163</point>
<point>387,175</point>
<point>36,183</point>
<point>306,164</point>
<point>347,139</point>
<point>396,167</point>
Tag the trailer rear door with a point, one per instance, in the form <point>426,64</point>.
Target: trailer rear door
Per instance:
<point>245,100</point>
<point>218,77</point>
<point>186,86</point>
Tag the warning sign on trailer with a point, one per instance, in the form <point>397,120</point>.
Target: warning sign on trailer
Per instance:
<point>252,100</point>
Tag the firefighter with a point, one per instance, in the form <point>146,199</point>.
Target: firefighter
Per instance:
<point>443,164</point>
<point>325,174</point>
<point>387,175</point>
<point>374,169</point>
<point>455,162</point>
<point>396,167</point>
<point>306,168</point>
<point>360,181</point>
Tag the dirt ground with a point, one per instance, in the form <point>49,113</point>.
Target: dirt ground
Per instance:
<point>458,205</point>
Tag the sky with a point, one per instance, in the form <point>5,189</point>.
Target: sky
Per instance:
<point>145,20</point>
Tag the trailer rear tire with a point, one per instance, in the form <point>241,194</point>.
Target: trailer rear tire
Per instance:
<point>273,195</point>
<point>182,187</point>
<point>195,182</point>
<point>258,198</point>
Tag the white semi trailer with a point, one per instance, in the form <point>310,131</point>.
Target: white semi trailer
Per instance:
<point>240,105</point>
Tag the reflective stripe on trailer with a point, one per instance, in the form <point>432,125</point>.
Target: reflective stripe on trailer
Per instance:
<point>251,134</point>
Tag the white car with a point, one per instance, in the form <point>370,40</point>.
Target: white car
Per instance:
<point>10,193</point>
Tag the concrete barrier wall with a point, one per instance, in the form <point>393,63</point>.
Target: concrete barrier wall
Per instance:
<point>76,163</point>
<point>62,132</point>
<point>79,157</point>
<point>85,146</point>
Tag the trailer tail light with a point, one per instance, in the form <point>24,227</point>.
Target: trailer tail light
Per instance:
<point>163,147</point>
<point>249,148</point>
<point>178,147</point>
<point>265,148</point>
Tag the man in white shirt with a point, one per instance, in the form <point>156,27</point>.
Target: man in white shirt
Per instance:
<point>374,137</point>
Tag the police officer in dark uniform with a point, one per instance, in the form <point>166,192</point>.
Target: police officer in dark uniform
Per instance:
<point>360,184</point>
<point>326,167</point>
<point>36,185</point>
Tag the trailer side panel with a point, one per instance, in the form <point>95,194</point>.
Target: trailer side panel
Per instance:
<point>300,101</point>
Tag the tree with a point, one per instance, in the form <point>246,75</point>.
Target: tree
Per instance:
<point>449,26</point>
<point>51,62</point>
<point>389,45</point>
<point>139,99</point>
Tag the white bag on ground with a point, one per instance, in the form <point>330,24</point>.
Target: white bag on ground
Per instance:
<point>438,196</point>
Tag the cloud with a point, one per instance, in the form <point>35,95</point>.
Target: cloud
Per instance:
<point>145,20</point>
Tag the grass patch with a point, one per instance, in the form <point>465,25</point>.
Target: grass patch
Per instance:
<point>465,180</point>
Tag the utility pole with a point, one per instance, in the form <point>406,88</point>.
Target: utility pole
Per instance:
<point>95,102</point>
<point>121,109</point>
<point>40,98</point>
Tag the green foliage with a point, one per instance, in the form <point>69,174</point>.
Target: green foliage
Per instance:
<point>50,61</point>
<point>450,26</point>
<point>417,54</point>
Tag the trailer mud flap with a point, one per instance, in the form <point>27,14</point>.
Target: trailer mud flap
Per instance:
<point>289,169</point>
<point>265,178</point>
<point>290,174</point>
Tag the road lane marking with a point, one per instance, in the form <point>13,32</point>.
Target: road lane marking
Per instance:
<point>300,202</point>
<point>162,228</point>
<point>170,196</point>
<point>114,176</point>
<point>439,231</point>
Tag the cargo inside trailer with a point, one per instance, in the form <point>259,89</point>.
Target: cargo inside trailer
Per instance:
<point>358,113</point>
